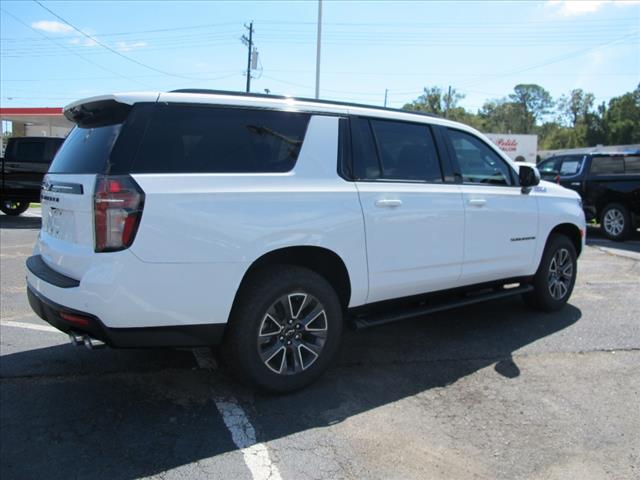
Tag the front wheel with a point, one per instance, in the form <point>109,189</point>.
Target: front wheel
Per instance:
<point>13,208</point>
<point>556,275</point>
<point>285,328</point>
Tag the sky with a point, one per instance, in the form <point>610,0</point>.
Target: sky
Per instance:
<point>55,52</point>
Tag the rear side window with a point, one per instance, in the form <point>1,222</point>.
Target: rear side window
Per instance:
<point>406,151</point>
<point>632,164</point>
<point>197,139</point>
<point>86,150</point>
<point>479,164</point>
<point>365,159</point>
<point>607,165</point>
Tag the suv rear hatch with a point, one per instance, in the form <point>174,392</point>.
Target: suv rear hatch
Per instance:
<point>88,199</point>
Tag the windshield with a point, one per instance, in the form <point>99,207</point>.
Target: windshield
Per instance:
<point>548,166</point>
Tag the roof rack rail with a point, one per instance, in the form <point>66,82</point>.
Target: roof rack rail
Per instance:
<point>205,91</point>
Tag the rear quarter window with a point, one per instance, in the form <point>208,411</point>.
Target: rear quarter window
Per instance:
<point>198,139</point>
<point>607,165</point>
<point>632,165</point>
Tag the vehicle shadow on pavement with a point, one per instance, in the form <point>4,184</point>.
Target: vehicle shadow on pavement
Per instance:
<point>127,424</point>
<point>595,237</point>
<point>20,222</point>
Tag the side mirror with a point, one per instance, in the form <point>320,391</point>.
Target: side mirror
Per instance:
<point>529,177</point>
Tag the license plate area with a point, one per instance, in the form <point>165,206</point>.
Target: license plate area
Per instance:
<point>59,223</point>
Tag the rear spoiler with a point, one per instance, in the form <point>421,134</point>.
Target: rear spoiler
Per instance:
<point>105,109</point>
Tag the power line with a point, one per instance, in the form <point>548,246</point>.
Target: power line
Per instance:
<point>560,23</point>
<point>560,58</point>
<point>75,53</point>
<point>133,32</point>
<point>49,79</point>
<point>517,26</point>
<point>98,42</point>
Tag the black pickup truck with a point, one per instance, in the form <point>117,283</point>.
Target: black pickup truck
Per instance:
<point>25,162</point>
<point>609,184</point>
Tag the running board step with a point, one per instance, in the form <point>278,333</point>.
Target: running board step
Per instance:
<point>368,321</point>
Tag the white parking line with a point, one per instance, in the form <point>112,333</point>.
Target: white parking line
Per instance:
<point>256,456</point>
<point>29,326</point>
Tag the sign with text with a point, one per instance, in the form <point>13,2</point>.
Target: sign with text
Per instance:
<point>516,146</point>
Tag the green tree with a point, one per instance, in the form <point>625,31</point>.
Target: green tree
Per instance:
<point>533,101</point>
<point>575,107</point>
<point>622,119</point>
<point>596,134</point>
<point>435,100</point>
<point>501,116</point>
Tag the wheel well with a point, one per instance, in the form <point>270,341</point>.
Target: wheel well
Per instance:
<point>320,260</point>
<point>572,232</point>
<point>605,202</point>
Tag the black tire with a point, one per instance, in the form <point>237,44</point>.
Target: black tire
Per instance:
<point>548,295</point>
<point>250,339</point>
<point>615,222</point>
<point>9,207</point>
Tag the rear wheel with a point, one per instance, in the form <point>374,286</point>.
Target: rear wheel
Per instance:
<point>13,208</point>
<point>556,275</point>
<point>285,329</point>
<point>616,221</point>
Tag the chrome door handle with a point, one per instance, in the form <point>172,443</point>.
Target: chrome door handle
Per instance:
<point>477,202</point>
<point>388,202</point>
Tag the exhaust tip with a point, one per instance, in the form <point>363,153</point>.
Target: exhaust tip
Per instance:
<point>93,343</point>
<point>76,339</point>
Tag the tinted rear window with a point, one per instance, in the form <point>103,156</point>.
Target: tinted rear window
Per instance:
<point>86,150</point>
<point>30,151</point>
<point>198,139</point>
<point>607,165</point>
<point>632,164</point>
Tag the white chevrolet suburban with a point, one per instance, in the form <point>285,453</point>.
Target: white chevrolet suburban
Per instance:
<point>264,223</point>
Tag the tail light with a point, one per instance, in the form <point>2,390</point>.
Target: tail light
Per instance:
<point>558,179</point>
<point>118,204</point>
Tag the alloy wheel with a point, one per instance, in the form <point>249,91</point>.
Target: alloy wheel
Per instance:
<point>292,333</point>
<point>560,274</point>
<point>613,222</point>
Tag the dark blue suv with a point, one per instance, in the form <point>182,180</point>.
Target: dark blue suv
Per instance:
<point>609,184</point>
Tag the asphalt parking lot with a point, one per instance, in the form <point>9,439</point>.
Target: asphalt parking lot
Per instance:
<point>491,391</point>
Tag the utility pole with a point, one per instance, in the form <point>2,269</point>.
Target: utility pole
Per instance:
<point>446,114</point>
<point>249,43</point>
<point>386,90</point>
<point>318,43</point>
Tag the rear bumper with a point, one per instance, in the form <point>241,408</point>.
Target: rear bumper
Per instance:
<point>141,337</point>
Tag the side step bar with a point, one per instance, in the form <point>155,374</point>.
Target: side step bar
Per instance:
<point>367,321</point>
